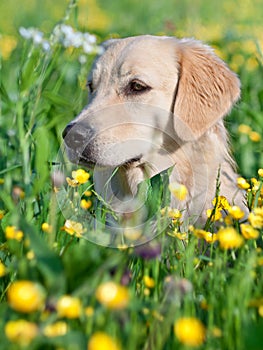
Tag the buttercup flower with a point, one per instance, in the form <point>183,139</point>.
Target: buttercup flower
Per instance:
<point>214,215</point>
<point>178,190</point>
<point>221,203</point>
<point>174,214</point>
<point>254,136</point>
<point>236,212</point>
<point>249,232</point>
<point>11,232</point>
<point>242,183</point>
<point>2,269</point>
<point>46,227</point>
<point>256,218</point>
<point>81,176</point>
<point>229,238</point>
<point>112,295</point>
<point>102,341</point>
<point>180,235</point>
<point>56,329</point>
<point>26,296</point>
<point>260,172</point>
<point>244,129</point>
<point>89,311</point>
<point>73,228</point>
<point>209,237</point>
<point>21,331</point>
<point>190,331</point>
<point>85,204</point>
<point>69,307</point>
<point>148,281</point>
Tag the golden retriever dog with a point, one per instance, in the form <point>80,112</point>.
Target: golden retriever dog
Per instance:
<point>156,103</point>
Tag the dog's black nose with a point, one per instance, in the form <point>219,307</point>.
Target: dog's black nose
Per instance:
<point>67,130</point>
<point>77,134</point>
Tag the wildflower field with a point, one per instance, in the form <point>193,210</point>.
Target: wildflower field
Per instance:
<point>63,283</point>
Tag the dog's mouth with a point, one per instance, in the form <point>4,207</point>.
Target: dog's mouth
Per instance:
<point>91,164</point>
<point>132,161</point>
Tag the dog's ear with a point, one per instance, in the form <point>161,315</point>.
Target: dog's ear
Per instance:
<point>206,90</point>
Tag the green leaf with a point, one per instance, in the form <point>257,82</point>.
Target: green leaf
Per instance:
<point>42,137</point>
<point>49,263</point>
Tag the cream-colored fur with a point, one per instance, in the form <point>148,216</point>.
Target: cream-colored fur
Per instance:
<point>176,119</point>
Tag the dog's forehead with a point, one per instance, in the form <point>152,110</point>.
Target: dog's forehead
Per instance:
<point>135,55</point>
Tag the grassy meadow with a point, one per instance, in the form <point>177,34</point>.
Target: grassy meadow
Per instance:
<point>62,284</point>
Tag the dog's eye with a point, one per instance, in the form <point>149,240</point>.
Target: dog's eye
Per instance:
<point>137,86</point>
<point>90,86</point>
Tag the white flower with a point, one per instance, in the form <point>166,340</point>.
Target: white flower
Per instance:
<point>46,45</point>
<point>66,36</point>
<point>89,38</point>
<point>25,33</point>
<point>67,30</point>
<point>82,59</point>
<point>37,37</point>
<point>87,48</point>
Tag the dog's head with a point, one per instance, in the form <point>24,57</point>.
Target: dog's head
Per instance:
<point>144,91</point>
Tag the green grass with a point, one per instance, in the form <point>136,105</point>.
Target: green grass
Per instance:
<point>39,93</point>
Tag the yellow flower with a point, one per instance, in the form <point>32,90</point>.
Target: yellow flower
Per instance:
<point>7,45</point>
<point>214,216</point>
<point>174,214</point>
<point>21,331</point>
<point>56,329</point>
<point>112,295</point>
<point>229,238</point>
<point>87,193</point>
<point>259,211</point>
<point>11,232</point>
<point>221,203</point>
<point>2,269</point>
<point>260,311</point>
<point>81,176</point>
<point>217,333</point>
<point>249,232</point>
<point>102,341</point>
<point>85,204</point>
<point>242,183</point>
<point>73,227</point>
<point>256,218</point>
<point>179,191</point>
<point>244,129</point>
<point>260,172</point>
<point>46,227</point>
<point>72,182</point>
<point>2,214</point>
<point>190,331</point>
<point>89,311</point>
<point>254,136</point>
<point>148,281</point>
<point>180,235</point>
<point>209,237</point>
<point>69,307</point>
<point>236,212</point>
<point>26,296</point>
